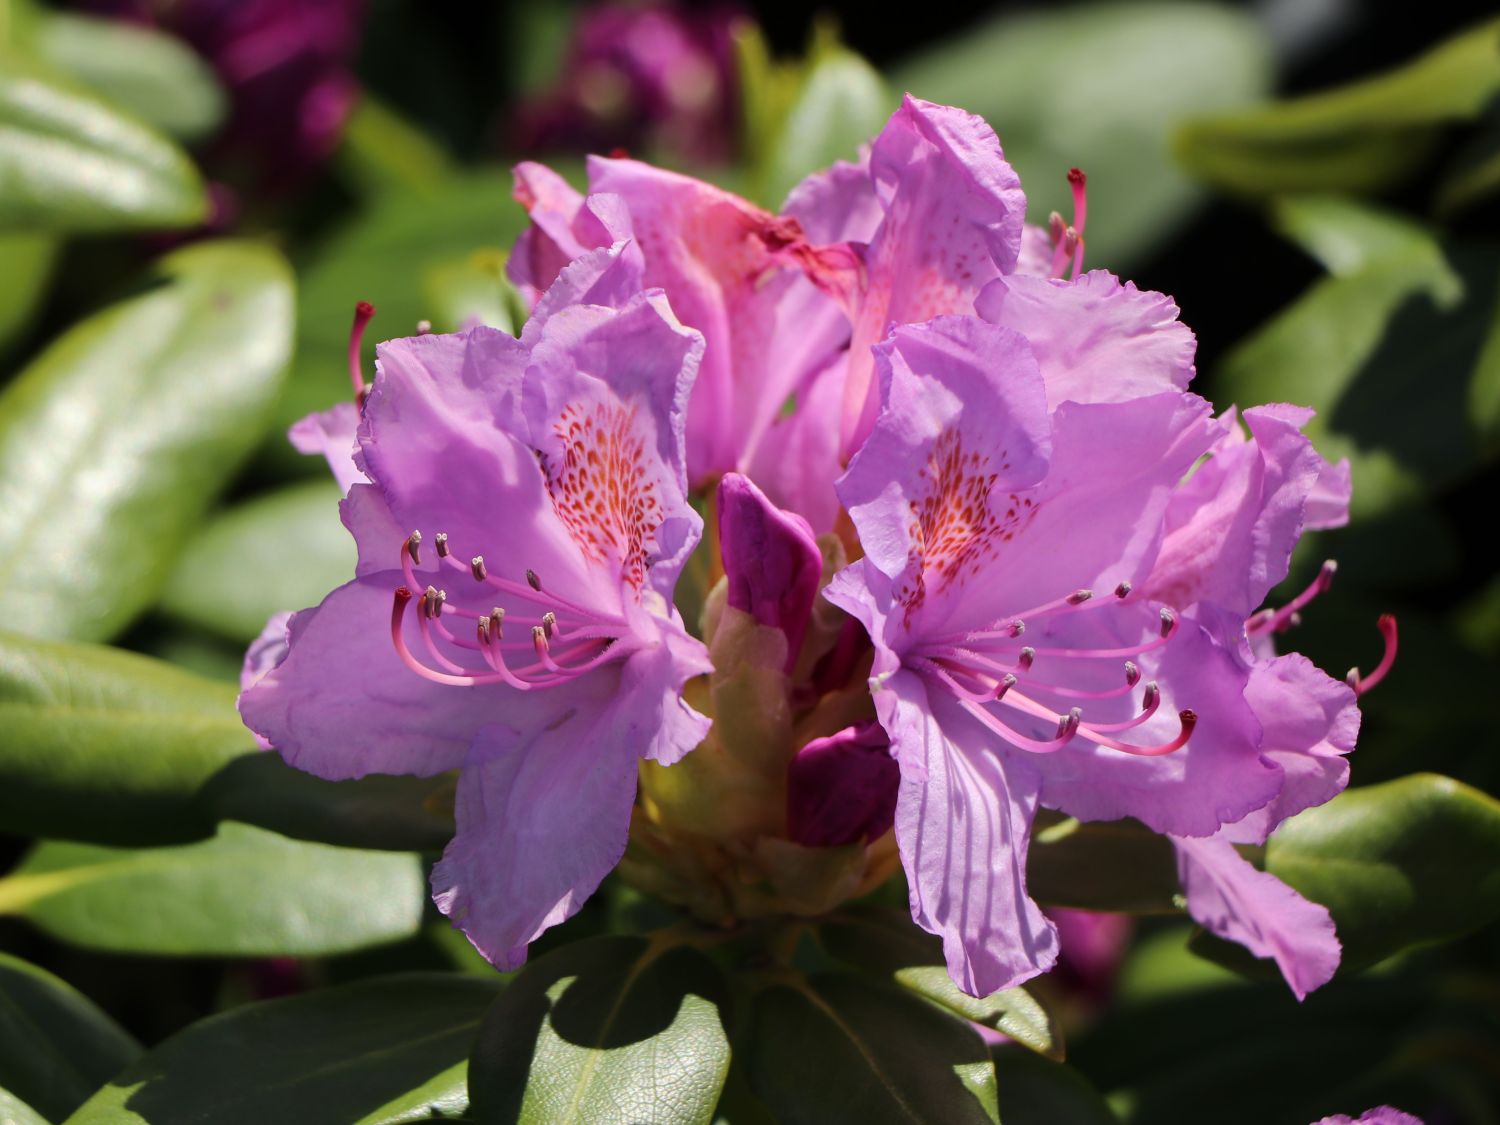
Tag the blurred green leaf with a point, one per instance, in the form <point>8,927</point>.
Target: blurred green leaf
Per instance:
<point>473,288</point>
<point>1360,137</point>
<point>246,892</point>
<point>144,72</point>
<point>13,1111</point>
<point>284,550</point>
<point>887,942</point>
<point>384,1051</point>
<point>1380,350</point>
<point>69,162</point>
<point>56,1047</point>
<point>841,1048</point>
<point>843,102</point>
<point>1100,87</point>
<point>383,256</point>
<point>605,1030</point>
<point>1400,864</point>
<point>1484,388</point>
<point>108,746</point>
<point>1119,866</point>
<point>114,441</point>
<point>383,151</point>
<point>26,262</point>
<point>1037,1091</point>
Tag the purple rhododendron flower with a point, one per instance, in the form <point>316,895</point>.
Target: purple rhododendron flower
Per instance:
<point>1380,1115</point>
<point>1060,560</point>
<point>527,637</point>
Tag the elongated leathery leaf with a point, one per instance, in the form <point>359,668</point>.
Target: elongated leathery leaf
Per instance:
<point>69,162</point>
<point>56,1047</point>
<point>606,1030</point>
<point>246,892</point>
<point>384,1051</point>
<point>114,441</point>
<point>842,1049</point>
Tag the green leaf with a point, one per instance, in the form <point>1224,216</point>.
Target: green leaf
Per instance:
<point>381,150</point>
<point>108,746</point>
<point>1118,866</point>
<point>842,104</point>
<point>26,262</point>
<point>1484,388</point>
<point>114,748</point>
<point>841,1048</point>
<point>1410,861</point>
<point>13,1111</point>
<point>69,162</point>
<point>223,580</point>
<point>605,1030</point>
<point>144,72</point>
<point>380,1052</point>
<point>383,256</point>
<point>378,811</point>
<point>889,943</point>
<point>1360,137</point>
<point>1036,1091</point>
<point>114,441</point>
<point>1360,347</point>
<point>1100,87</point>
<point>246,892</point>
<point>473,288</point>
<point>56,1047</point>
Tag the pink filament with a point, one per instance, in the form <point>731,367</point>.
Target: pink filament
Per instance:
<point>362,314</point>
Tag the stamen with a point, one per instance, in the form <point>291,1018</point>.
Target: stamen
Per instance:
<point>424,327</point>
<point>1017,628</point>
<point>441,541</point>
<point>476,566</point>
<point>1168,623</point>
<point>549,623</point>
<point>1015,738</point>
<point>1078,597</point>
<point>1123,590</point>
<point>1007,682</point>
<point>532,580</point>
<point>1132,673</point>
<point>497,622</point>
<point>1361,684</point>
<point>1288,616</point>
<point>362,314</point>
<point>1026,658</point>
<point>414,547</point>
<point>1149,704</point>
<point>1067,727</point>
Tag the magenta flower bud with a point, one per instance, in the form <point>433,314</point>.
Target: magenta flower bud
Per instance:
<point>842,788</point>
<point>771,560</point>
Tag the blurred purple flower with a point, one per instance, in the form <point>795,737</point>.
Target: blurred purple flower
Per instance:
<point>287,68</point>
<point>656,77</point>
<point>1380,1115</point>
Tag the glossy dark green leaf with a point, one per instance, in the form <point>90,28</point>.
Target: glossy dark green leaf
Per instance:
<point>842,104</point>
<point>284,550</point>
<point>26,262</point>
<point>1036,1091</point>
<point>841,1048</point>
<point>56,1047</point>
<point>13,1111</point>
<point>384,1051</point>
<point>890,944</point>
<point>605,1030</point>
<point>107,746</point>
<point>1119,866</point>
<point>1361,347</point>
<point>1100,87</point>
<point>147,73</point>
<point>69,162</point>
<point>115,440</point>
<point>382,255</point>
<point>1359,137</point>
<point>1410,861</point>
<point>376,811</point>
<point>246,892</point>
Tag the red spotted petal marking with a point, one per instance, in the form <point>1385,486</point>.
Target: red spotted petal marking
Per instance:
<point>601,486</point>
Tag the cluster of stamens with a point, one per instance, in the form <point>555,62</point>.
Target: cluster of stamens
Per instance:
<point>1290,615</point>
<point>556,653</point>
<point>1067,238</point>
<point>991,678</point>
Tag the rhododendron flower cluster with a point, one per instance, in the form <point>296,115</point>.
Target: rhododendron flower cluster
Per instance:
<point>782,549</point>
